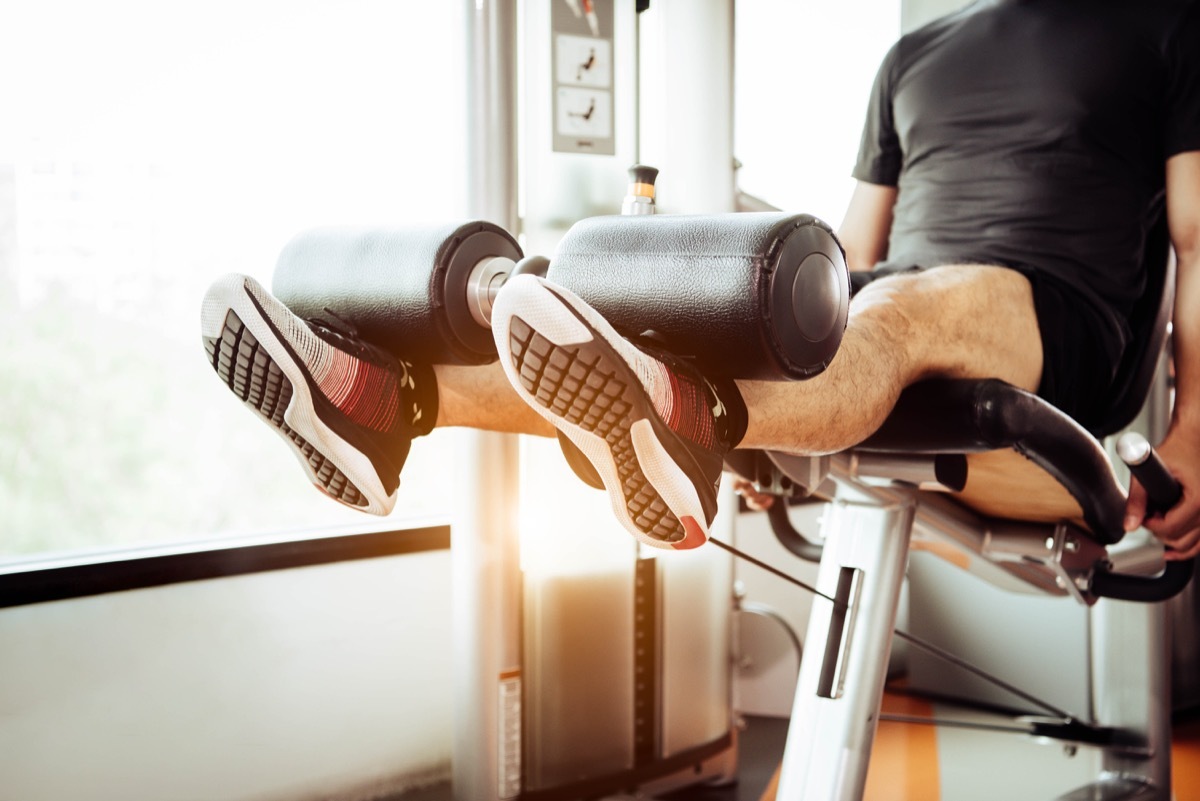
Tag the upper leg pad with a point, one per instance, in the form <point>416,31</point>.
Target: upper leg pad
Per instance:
<point>759,296</point>
<point>404,288</point>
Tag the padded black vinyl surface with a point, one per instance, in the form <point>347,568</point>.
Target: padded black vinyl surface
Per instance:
<point>762,295</point>
<point>965,416</point>
<point>404,288</point>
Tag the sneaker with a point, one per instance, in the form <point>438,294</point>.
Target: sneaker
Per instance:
<point>334,399</point>
<point>654,429</point>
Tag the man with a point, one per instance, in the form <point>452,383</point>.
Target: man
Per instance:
<point>1014,157</point>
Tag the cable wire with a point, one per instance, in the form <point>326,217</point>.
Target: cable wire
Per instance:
<point>923,645</point>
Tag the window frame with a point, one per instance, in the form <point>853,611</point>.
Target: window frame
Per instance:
<point>43,579</point>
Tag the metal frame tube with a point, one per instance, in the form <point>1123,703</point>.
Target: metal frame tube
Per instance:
<point>686,85</point>
<point>1131,691</point>
<point>844,667</point>
<point>847,649</point>
<point>485,558</point>
<point>492,111</point>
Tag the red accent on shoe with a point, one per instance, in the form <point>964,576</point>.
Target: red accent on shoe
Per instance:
<point>695,535</point>
<point>686,408</point>
<point>367,394</point>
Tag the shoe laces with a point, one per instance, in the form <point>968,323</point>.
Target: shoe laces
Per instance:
<point>343,334</point>
<point>657,346</point>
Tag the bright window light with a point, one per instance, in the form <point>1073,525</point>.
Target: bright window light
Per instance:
<point>147,148</point>
<point>803,76</point>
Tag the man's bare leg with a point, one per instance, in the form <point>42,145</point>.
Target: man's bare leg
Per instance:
<point>956,321</point>
<point>480,396</point>
<point>349,411</point>
<point>656,431</point>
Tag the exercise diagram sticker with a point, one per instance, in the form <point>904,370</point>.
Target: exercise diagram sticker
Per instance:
<point>583,56</point>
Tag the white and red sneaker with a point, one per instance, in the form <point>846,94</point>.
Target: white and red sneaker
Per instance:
<point>343,406</point>
<point>654,429</point>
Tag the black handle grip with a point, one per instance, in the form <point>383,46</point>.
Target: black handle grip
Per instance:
<point>787,534</point>
<point>1168,584</point>
<point>1162,493</point>
<point>1162,490</point>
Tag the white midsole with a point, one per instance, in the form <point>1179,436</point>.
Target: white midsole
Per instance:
<point>231,292</point>
<point>527,297</point>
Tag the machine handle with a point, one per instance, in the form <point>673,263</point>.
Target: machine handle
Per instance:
<point>1162,490</point>
<point>1168,584</point>
<point>1162,493</point>
<point>787,534</point>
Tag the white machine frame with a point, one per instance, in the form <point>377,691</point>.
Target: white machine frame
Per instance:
<point>840,687</point>
<point>874,520</point>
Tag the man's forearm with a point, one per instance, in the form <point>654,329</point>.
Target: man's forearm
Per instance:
<point>1186,343</point>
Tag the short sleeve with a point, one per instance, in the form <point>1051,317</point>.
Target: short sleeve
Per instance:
<point>1183,85</point>
<point>879,155</point>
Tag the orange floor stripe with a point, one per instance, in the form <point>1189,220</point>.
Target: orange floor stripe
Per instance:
<point>1185,761</point>
<point>904,759</point>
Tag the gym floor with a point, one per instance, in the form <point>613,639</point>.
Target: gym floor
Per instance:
<point>922,763</point>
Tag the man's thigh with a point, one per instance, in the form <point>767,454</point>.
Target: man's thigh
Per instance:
<point>979,321</point>
<point>956,321</point>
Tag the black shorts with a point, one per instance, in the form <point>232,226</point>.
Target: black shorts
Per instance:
<point>1077,366</point>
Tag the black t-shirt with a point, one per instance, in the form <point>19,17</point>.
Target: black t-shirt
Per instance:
<point>1033,134</point>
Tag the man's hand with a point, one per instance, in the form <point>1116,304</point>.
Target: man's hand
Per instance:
<point>1179,528</point>
<point>758,501</point>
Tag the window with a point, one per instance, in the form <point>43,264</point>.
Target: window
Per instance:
<point>146,148</point>
<point>804,73</point>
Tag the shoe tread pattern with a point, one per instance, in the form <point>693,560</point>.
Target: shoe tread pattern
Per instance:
<point>250,372</point>
<point>583,386</point>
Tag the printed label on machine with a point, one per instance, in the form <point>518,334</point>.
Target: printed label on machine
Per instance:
<point>510,734</point>
<point>582,83</point>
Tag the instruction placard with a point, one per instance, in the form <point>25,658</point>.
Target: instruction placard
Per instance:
<point>582,84</point>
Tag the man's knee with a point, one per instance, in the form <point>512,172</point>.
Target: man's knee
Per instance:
<point>968,321</point>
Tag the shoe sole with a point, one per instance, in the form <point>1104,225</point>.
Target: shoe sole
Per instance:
<point>252,360</point>
<point>572,368</point>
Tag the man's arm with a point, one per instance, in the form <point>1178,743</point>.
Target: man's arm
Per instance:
<point>1180,528</point>
<point>868,223</point>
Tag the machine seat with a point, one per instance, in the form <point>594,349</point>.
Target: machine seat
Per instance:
<point>997,424</point>
<point>1026,460</point>
<point>1005,484</point>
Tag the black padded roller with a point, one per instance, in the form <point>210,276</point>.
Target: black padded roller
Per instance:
<point>405,289</point>
<point>761,295</point>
